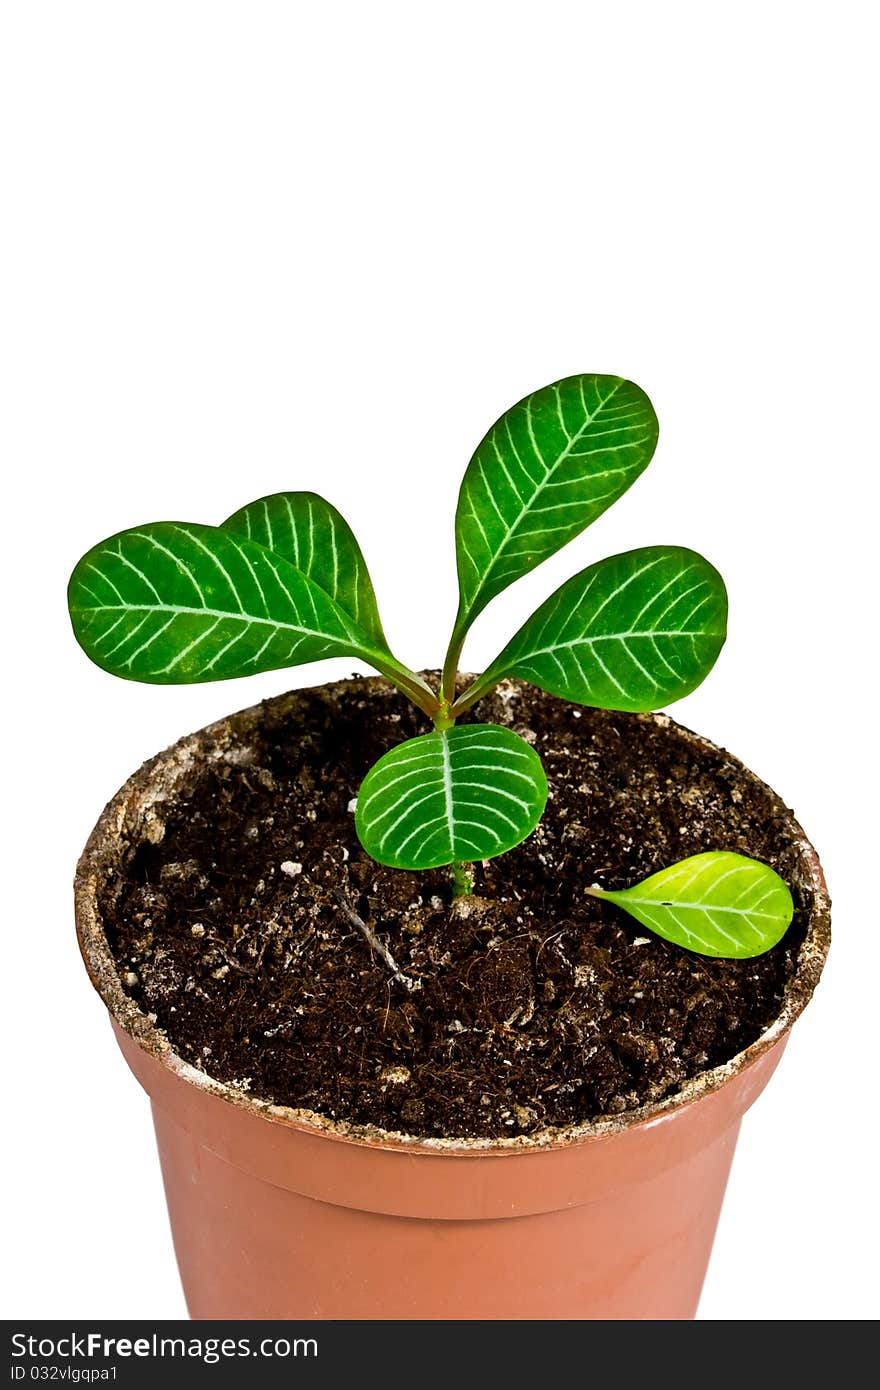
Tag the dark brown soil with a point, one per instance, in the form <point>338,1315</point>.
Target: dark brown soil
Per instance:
<point>537,1005</point>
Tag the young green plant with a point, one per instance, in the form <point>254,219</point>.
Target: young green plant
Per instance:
<point>283,582</point>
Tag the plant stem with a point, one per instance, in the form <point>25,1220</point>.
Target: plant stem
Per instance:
<point>450,665</point>
<point>412,685</point>
<point>462,880</point>
<point>480,687</point>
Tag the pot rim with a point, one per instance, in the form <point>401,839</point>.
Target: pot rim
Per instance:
<point>157,779</point>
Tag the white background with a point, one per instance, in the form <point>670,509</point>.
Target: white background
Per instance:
<point>260,246</point>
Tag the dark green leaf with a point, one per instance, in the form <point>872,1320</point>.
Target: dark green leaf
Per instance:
<point>552,464</point>
<point>468,793</point>
<point>314,537</point>
<point>173,602</point>
<point>632,632</point>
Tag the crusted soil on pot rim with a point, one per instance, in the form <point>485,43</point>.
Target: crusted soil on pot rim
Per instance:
<point>212,897</point>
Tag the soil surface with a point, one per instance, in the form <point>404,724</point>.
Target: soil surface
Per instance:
<point>536,1005</point>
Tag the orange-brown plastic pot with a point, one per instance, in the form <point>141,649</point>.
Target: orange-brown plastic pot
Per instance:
<point>278,1214</point>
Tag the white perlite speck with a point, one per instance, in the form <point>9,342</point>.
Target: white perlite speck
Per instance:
<point>394,1076</point>
<point>291,869</point>
<point>353,804</point>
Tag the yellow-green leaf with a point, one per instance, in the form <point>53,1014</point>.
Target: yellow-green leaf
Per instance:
<point>717,904</point>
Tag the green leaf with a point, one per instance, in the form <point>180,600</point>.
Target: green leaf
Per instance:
<point>632,632</point>
<point>717,904</point>
<point>172,603</point>
<point>314,537</point>
<point>552,464</point>
<point>469,792</point>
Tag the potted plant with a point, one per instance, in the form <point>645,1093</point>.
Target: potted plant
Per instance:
<point>449,992</point>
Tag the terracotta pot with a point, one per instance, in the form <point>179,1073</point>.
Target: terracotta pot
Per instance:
<point>278,1214</point>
